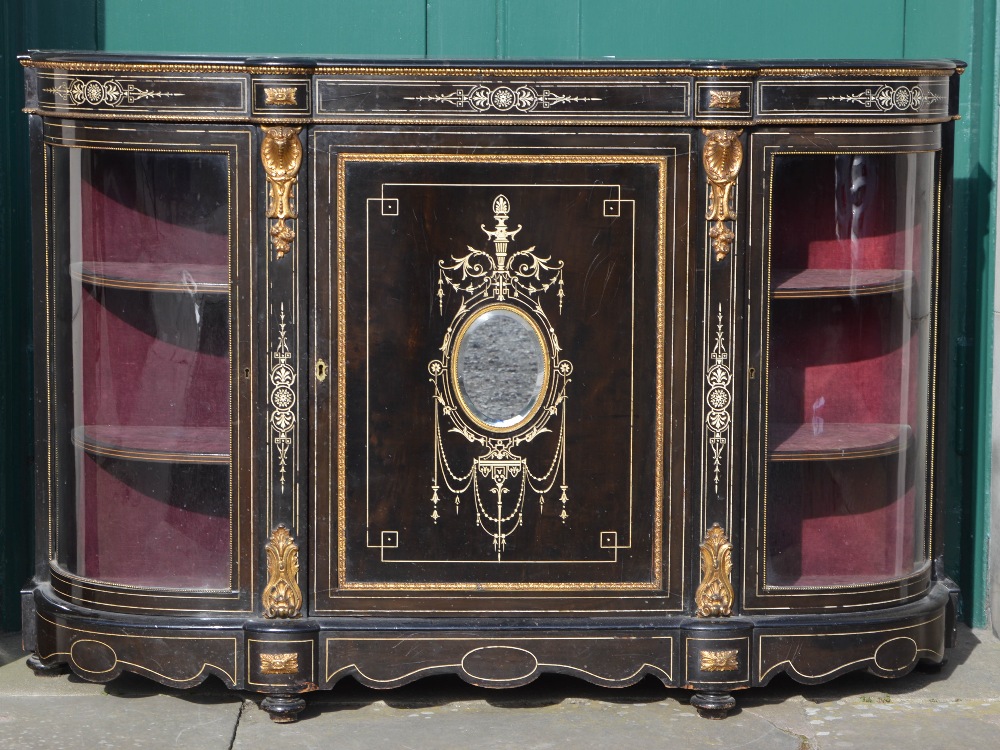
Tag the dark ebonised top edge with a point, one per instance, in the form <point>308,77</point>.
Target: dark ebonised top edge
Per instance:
<point>705,68</point>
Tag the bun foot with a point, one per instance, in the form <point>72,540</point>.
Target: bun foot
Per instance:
<point>713,705</point>
<point>283,709</point>
<point>45,670</point>
<point>929,667</point>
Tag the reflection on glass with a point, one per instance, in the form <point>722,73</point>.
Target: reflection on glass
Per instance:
<point>848,364</point>
<point>501,366</point>
<point>141,248</point>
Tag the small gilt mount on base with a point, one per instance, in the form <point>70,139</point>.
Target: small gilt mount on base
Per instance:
<point>720,661</point>
<point>279,663</point>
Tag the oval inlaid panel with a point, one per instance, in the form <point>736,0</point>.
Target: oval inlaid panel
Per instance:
<point>499,663</point>
<point>93,656</point>
<point>896,654</point>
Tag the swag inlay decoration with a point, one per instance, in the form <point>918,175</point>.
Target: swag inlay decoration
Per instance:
<point>491,282</point>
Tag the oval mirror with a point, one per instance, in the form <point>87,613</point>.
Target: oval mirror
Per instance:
<point>500,367</point>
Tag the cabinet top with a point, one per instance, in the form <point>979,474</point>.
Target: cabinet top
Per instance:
<point>709,92</point>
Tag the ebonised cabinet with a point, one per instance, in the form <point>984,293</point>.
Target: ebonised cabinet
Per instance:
<point>389,370</point>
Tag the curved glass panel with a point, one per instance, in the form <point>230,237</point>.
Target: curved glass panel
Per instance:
<point>848,367</point>
<point>140,271</point>
<point>501,366</point>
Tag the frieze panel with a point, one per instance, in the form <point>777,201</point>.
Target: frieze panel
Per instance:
<point>152,94</point>
<point>674,96</point>
<point>853,99</point>
<point>354,97</point>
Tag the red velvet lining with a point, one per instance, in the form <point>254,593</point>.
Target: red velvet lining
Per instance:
<point>867,253</point>
<point>855,520</point>
<point>152,359</point>
<point>840,360</point>
<point>132,376</point>
<point>847,360</point>
<point>156,524</point>
<point>116,233</point>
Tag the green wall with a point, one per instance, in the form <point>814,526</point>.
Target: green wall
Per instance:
<point>23,24</point>
<point>628,29</point>
<point>655,29</point>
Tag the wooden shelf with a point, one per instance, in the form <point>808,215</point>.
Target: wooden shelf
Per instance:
<point>835,282</point>
<point>835,441</point>
<point>154,277</point>
<point>188,445</point>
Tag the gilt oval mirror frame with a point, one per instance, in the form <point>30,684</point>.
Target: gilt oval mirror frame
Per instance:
<point>500,367</point>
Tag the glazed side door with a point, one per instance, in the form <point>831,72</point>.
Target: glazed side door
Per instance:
<point>144,331</point>
<point>844,258</point>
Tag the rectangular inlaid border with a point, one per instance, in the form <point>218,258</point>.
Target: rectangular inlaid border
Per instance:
<point>657,562</point>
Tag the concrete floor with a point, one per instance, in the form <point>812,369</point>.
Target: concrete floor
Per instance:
<point>956,708</point>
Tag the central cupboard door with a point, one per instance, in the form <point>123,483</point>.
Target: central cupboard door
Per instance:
<point>501,320</point>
